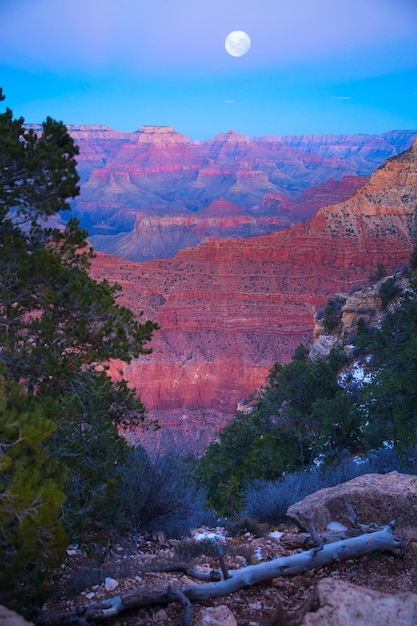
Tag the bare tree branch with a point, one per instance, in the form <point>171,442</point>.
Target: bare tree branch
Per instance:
<point>383,540</point>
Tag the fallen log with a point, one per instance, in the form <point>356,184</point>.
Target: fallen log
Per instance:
<point>383,540</point>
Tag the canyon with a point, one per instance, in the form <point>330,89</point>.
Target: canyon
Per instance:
<point>145,195</point>
<point>229,308</point>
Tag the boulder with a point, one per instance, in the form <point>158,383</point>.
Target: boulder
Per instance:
<point>375,498</point>
<point>343,604</point>
<point>10,618</point>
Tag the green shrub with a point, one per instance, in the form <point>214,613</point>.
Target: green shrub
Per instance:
<point>331,317</point>
<point>32,539</point>
<point>388,290</point>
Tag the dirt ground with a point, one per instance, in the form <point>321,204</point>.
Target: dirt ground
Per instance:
<point>133,561</point>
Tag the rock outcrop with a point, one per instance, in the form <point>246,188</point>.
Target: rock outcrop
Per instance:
<point>375,498</point>
<point>162,236</point>
<point>10,618</point>
<point>229,309</point>
<point>339,603</point>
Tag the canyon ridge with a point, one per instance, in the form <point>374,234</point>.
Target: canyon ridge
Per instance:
<point>148,194</point>
<point>236,286</point>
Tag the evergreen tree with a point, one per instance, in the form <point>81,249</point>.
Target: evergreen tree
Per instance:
<point>303,414</point>
<point>58,327</point>
<point>331,317</point>
<point>32,539</point>
<point>389,402</point>
<point>413,260</point>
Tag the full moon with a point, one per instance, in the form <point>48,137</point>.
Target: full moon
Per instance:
<point>237,43</point>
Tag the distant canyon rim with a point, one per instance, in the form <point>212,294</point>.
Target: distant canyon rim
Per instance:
<point>232,245</point>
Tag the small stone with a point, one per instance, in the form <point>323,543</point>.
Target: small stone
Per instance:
<point>186,581</point>
<point>276,535</point>
<point>258,554</point>
<point>336,526</point>
<point>256,606</point>
<point>110,584</point>
<point>90,595</point>
<point>72,549</point>
<point>161,616</point>
<point>218,616</point>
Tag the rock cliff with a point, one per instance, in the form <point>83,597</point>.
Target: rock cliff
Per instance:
<point>229,309</point>
<point>161,237</point>
<point>158,173</point>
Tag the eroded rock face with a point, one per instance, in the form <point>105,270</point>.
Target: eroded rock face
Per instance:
<point>160,173</point>
<point>375,498</point>
<point>343,604</point>
<point>229,309</point>
<point>161,237</point>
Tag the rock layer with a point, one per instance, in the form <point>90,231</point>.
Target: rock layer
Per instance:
<point>158,174</point>
<point>229,309</point>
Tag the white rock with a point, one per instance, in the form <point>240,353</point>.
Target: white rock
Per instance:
<point>72,549</point>
<point>110,584</point>
<point>275,534</point>
<point>334,526</point>
<point>161,616</point>
<point>258,554</point>
<point>256,606</point>
<point>213,534</point>
<point>217,616</point>
<point>90,595</point>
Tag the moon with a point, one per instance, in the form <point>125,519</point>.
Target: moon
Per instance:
<point>237,43</point>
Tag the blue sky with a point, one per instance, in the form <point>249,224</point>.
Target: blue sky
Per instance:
<point>314,66</point>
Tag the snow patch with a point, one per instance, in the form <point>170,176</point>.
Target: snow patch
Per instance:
<point>357,374</point>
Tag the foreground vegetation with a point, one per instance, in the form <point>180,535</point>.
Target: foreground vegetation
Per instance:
<point>59,411</point>
<point>64,466</point>
<point>313,414</point>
